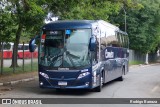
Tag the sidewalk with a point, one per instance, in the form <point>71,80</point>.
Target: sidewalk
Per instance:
<point>17,78</point>
<point>29,76</point>
<point>142,65</point>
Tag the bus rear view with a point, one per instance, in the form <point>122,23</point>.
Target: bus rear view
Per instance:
<point>69,56</point>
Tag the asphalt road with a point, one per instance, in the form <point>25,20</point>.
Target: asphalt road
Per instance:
<point>140,82</point>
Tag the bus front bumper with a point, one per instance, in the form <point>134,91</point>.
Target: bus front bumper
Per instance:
<point>70,83</point>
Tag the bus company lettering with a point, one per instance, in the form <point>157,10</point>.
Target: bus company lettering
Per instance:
<point>109,54</point>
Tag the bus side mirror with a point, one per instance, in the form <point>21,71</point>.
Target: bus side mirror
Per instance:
<point>32,45</point>
<point>92,43</point>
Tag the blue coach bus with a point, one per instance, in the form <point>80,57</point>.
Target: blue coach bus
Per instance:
<point>81,54</point>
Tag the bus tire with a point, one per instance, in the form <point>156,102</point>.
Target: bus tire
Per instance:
<point>121,77</point>
<point>58,90</point>
<point>99,88</point>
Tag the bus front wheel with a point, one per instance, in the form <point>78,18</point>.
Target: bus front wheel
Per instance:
<point>121,77</point>
<point>99,88</point>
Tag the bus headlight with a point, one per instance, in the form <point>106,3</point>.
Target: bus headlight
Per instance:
<point>41,83</point>
<point>83,75</point>
<point>44,75</point>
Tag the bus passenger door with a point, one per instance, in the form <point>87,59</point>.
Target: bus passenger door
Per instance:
<point>110,64</point>
<point>119,60</point>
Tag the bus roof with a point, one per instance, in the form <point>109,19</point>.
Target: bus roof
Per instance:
<point>69,24</point>
<point>78,24</point>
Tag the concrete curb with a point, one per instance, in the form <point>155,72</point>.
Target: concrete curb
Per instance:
<point>144,65</point>
<point>18,81</point>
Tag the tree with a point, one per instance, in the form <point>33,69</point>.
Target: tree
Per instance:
<point>143,25</point>
<point>7,27</point>
<point>28,15</point>
<point>83,9</point>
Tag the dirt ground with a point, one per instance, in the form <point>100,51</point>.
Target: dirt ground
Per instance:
<point>14,77</point>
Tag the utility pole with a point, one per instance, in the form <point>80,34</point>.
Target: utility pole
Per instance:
<point>125,21</point>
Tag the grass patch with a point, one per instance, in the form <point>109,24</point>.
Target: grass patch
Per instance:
<point>19,70</point>
<point>135,62</point>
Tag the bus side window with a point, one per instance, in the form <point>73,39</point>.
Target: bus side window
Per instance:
<point>126,41</point>
<point>123,41</point>
<point>114,42</point>
<point>119,40</point>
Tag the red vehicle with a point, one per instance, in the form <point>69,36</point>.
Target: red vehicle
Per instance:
<point>27,54</point>
<point>8,48</point>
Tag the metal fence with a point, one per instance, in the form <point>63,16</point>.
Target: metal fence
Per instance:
<point>137,56</point>
<point>27,62</point>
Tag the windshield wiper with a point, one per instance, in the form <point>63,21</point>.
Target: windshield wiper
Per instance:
<point>68,54</point>
<point>54,58</point>
<point>72,55</point>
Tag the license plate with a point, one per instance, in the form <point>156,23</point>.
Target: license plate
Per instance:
<point>62,83</point>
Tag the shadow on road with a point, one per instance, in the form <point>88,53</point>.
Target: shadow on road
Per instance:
<point>73,92</point>
<point>82,92</point>
<point>33,88</point>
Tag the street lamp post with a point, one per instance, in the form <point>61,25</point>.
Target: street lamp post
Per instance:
<point>125,19</point>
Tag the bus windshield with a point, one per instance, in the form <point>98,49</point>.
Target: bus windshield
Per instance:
<point>65,48</point>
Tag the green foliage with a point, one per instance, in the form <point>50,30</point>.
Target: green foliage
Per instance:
<point>143,25</point>
<point>27,13</point>
<point>84,9</point>
<point>7,28</point>
<point>143,18</point>
<point>145,38</point>
<point>135,62</point>
<point>21,15</point>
